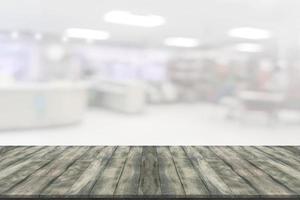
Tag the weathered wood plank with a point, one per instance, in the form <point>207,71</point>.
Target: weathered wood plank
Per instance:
<point>21,155</point>
<point>41,178</point>
<point>5,149</point>
<point>13,152</point>
<point>292,149</point>
<point>279,171</point>
<point>286,150</point>
<point>212,180</point>
<point>92,153</point>
<point>169,178</point>
<point>276,163</point>
<point>236,183</point>
<point>19,164</point>
<point>258,179</point>
<point>150,171</point>
<point>281,155</point>
<point>129,181</point>
<point>88,178</point>
<point>107,182</point>
<point>17,177</point>
<point>206,153</point>
<point>64,182</point>
<point>192,183</point>
<point>149,178</point>
<point>49,156</point>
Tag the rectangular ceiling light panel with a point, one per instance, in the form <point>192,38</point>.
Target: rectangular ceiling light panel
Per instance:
<point>128,18</point>
<point>88,34</point>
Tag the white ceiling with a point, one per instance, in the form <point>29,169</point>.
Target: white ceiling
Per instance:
<point>207,20</point>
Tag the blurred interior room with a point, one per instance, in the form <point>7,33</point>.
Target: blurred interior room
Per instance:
<point>205,72</point>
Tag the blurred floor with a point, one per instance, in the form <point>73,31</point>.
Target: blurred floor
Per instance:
<point>178,124</point>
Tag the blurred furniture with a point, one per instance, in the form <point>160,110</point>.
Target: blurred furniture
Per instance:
<point>41,104</point>
<point>185,75</point>
<point>261,101</point>
<point>122,96</point>
<point>264,102</point>
<point>161,92</point>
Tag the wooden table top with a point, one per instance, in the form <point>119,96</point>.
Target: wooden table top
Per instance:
<point>162,172</point>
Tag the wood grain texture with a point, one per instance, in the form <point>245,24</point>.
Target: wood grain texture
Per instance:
<point>11,153</point>
<point>29,166</point>
<point>292,149</point>
<point>107,182</point>
<point>275,163</point>
<point>279,171</point>
<point>258,179</point>
<point>128,184</point>
<point>124,171</point>
<point>62,184</point>
<point>88,178</point>
<point>149,176</point>
<point>192,183</point>
<point>169,179</point>
<point>282,155</point>
<point>4,149</point>
<point>214,183</point>
<point>235,182</point>
<point>41,178</point>
<point>18,156</point>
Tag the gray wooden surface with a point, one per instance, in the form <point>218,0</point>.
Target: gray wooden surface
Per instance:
<point>124,171</point>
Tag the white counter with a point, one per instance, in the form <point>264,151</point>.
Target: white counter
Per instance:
<point>122,96</point>
<point>41,104</point>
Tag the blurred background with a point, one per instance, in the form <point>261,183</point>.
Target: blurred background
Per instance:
<point>206,72</point>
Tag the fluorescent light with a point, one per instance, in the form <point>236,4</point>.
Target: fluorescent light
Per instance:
<point>248,47</point>
<point>249,33</point>
<point>181,42</point>
<point>128,18</point>
<point>15,35</point>
<point>88,34</point>
<point>38,36</point>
